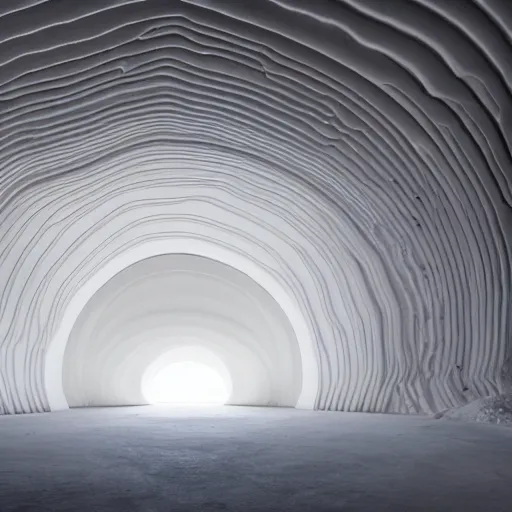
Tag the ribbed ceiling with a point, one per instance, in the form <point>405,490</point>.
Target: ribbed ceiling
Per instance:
<point>354,155</point>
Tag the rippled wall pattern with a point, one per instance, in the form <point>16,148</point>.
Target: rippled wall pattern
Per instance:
<point>352,157</point>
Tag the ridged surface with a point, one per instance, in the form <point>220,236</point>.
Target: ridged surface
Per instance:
<point>356,152</point>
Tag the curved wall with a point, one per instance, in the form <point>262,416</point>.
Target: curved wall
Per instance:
<point>356,151</point>
<point>170,302</point>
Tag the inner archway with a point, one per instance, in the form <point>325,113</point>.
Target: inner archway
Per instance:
<point>150,314</point>
<point>187,383</point>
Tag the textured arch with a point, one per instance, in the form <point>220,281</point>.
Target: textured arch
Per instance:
<point>356,151</point>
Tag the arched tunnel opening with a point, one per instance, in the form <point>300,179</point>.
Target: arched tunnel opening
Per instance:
<point>187,383</point>
<point>298,211</point>
<point>173,308</point>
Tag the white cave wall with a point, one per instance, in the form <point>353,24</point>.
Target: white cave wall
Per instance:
<point>354,155</point>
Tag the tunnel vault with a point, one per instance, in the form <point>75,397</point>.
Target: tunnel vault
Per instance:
<point>356,153</point>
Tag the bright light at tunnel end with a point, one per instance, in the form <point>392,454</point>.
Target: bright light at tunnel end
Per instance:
<point>187,383</point>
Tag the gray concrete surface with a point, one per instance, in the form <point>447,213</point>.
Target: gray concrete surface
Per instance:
<point>163,459</point>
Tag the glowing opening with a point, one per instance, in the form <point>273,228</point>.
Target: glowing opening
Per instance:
<point>187,382</point>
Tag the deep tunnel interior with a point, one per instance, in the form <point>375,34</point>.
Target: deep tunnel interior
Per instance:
<point>356,152</point>
<point>160,307</point>
<point>314,198</point>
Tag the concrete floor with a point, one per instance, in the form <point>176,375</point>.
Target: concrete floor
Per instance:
<point>164,459</point>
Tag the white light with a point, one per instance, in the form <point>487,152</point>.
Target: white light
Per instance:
<point>187,383</point>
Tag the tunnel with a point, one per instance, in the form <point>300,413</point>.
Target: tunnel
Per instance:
<point>162,306</point>
<point>308,201</point>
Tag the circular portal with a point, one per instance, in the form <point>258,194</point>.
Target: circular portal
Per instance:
<point>187,383</point>
<point>176,308</point>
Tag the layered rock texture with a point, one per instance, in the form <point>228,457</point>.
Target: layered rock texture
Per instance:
<point>343,168</point>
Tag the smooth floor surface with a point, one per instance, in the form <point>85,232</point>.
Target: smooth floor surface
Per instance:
<point>165,459</point>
